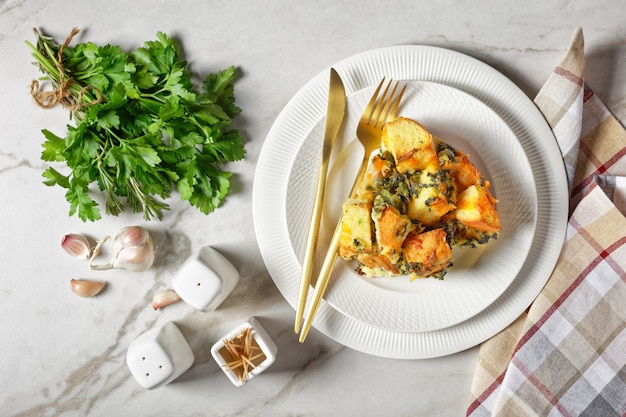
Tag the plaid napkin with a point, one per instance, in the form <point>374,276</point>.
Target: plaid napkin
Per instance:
<point>566,355</point>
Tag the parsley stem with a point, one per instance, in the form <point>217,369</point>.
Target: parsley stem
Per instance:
<point>43,61</point>
<point>151,98</point>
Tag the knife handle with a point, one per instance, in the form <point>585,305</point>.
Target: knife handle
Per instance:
<point>322,281</point>
<point>311,243</point>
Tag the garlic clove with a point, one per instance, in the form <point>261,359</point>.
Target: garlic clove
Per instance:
<point>76,245</point>
<point>133,250</point>
<point>131,236</point>
<point>134,258</point>
<point>85,288</point>
<point>165,298</point>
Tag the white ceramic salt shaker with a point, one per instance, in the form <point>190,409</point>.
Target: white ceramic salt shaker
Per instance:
<point>263,341</point>
<point>159,356</point>
<point>205,279</point>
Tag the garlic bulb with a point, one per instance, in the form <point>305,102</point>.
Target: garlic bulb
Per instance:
<point>165,298</point>
<point>76,245</point>
<point>133,250</point>
<point>85,288</point>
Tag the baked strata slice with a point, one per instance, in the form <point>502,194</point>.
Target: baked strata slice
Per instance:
<point>418,199</point>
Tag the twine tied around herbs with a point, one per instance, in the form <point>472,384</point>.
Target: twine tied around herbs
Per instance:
<point>62,94</point>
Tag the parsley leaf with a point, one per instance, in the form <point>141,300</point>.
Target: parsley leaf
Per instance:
<point>141,128</point>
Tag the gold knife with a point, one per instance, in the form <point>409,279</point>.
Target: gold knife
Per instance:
<point>334,117</point>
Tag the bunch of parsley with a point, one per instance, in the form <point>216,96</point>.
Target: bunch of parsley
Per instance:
<point>141,127</point>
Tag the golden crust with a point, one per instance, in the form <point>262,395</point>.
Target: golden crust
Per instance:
<point>429,252</point>
<point>392,229</point>
<point>411,145</point>
<point>477,208</point>
<point>462,170</point>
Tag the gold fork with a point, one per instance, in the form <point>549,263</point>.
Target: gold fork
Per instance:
<point>369,130</point>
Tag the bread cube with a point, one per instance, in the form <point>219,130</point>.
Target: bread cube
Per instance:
<point>391,230</point>
<point>356,228</point>
<point>461,169</point>
<point>476,208</point>
<point>427,252</point>
<point>411,145</point>
<point>432,201</point>
<point>376,265</point>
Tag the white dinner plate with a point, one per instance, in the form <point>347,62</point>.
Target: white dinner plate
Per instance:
<point>478,276</point>
<point>305,111</point>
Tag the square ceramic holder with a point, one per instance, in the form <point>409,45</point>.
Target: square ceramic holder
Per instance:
<point>159,356</point>
<point>261,339</point>
<point>205,279</point>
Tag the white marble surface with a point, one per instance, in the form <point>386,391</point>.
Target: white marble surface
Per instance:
<point>64,356</point>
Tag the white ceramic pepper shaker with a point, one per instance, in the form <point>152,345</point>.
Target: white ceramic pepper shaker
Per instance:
<point>205,279</point>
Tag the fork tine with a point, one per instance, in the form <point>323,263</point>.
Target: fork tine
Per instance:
<point>380,105</point>
<point>385,103</point>
<point>394,110</point>
<point>387,107</point>
<point>371,106</point>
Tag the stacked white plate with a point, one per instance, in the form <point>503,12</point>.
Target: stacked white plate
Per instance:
<point>474,108</point>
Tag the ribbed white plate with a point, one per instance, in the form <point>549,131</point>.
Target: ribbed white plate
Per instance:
<point>303,114</point>
<point>479,276</point>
